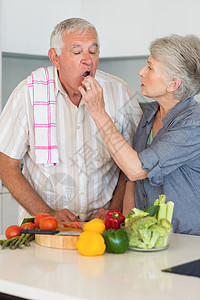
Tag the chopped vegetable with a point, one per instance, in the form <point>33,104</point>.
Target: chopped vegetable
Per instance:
<point>146,233</point>
<point>170,209</point>
<point>152,210</point>
<point>162,211</point>
<point>150,228</point>
<point>116,240</point>
<point>114,219</point>
<point>73,225</point>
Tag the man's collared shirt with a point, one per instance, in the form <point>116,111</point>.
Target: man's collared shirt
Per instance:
<point>86,176</point>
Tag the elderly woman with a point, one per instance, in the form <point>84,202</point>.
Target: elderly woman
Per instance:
<point>166,155</point>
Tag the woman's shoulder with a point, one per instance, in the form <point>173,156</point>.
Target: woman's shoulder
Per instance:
<point>186,113</point>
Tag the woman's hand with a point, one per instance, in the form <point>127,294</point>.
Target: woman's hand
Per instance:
<point>92,94</point>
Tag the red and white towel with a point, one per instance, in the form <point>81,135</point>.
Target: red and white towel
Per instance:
<point>41,88</point>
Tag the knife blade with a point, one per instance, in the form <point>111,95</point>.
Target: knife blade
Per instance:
<point>52,232</point>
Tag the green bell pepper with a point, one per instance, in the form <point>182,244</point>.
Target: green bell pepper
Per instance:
<point>116,240</point>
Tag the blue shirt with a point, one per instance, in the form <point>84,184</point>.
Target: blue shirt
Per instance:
<point>173,163</point>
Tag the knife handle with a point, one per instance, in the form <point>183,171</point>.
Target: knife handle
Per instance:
<point>38,231</point>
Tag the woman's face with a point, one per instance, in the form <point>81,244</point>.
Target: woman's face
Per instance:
<point>153,84</point>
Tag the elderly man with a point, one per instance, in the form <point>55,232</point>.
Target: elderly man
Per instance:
<point>68,172</point>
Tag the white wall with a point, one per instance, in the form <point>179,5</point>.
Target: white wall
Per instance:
<point>125,27</point>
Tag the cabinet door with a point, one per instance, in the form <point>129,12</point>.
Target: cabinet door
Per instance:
<point>9,211</point>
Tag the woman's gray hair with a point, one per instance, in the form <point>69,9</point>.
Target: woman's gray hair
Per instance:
<point>69,25</point>
<point>180,56</point>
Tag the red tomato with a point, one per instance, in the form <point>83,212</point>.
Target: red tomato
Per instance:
<point>30,225</point>
<point>12,231</point>
<point>39,217</point>
<point>48,223</point>
<point>66,225</point>
<point>75,225</point>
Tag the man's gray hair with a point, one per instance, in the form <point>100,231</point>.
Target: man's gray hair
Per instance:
<point>181,59</point>
<point>69,25</point>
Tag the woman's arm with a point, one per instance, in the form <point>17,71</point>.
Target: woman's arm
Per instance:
<point>129,198</point>
<point>126,158</point>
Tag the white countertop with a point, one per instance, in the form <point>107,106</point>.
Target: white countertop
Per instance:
<point>38,272</point>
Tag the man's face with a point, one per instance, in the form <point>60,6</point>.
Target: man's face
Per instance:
<point>79,58</point>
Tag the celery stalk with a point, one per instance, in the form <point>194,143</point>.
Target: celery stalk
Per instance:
<point>162,211</point>
<point>156,202</point>
<point>169,213</point>
<point>162,198</point>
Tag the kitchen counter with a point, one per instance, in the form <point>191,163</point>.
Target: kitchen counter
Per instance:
<point>38,272</point>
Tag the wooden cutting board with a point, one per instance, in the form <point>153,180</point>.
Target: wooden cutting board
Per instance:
<point>59,241</point>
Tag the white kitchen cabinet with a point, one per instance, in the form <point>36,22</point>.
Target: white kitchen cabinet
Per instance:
<point>8,210</point>
<point>125,27</point>
<point>26,25</point>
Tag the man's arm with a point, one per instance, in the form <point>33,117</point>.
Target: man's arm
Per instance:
<point>117,200</point>
<point>129,199</point>
<point>22,191</point>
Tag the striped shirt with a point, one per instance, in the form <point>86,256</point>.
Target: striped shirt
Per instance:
<point>86,176</point>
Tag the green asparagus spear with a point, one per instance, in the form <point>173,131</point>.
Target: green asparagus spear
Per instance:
<point>9,241</point>
<point>22,243</point>
<point>13,247</point>
<point>31,238</point>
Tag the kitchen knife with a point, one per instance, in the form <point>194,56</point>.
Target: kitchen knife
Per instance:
<point>52,232</point>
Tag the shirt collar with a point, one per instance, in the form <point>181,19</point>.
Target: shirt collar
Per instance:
<point>178,109</point>
<point>59,88</point>
<point>149,113</point>
<point>152,107</point>
<point>58,85</point>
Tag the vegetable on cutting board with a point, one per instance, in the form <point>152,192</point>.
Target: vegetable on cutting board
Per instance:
<point>74,224</point>
<point>39,217</point>
<point>48,223</point>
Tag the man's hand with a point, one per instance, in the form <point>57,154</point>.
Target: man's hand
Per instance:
<point>64,215</point>
<point>101,214</point>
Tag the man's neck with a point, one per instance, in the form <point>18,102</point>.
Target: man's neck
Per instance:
<point>75,99</point>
